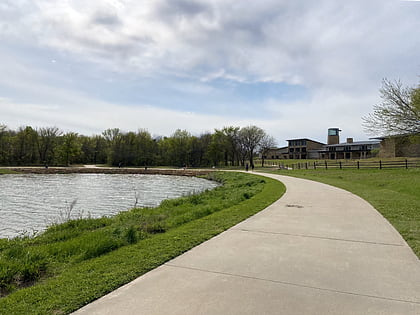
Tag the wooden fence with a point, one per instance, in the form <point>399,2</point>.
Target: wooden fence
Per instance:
<point>359,164</point>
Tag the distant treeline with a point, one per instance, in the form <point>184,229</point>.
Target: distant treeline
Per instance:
<point>51,146</point>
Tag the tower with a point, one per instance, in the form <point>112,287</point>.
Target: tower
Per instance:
<point>333,136</point>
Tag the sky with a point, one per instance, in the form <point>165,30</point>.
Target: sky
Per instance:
<point>293,68</point>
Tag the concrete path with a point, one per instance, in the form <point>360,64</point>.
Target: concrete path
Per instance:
<point>317,250</point>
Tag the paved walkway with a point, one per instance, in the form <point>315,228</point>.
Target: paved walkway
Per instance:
<point>317,250</point>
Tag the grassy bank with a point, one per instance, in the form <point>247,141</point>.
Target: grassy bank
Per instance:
<point>7,171</point>
<point>395,193</point>
<point>75,263</point>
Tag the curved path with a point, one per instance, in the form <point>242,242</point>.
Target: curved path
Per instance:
<point>317,250</point>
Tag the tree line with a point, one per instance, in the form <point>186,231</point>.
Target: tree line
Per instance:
<point>229,146</point>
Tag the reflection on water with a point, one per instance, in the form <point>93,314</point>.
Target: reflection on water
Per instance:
<point>29,203</point>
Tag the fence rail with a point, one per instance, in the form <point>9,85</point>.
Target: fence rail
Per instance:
<point>346,164</point>
<point>357,164</point>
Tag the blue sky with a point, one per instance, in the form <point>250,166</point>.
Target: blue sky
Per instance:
<point>293,68</point>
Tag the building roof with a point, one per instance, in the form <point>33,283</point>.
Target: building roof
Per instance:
<point>354,143</point>
<point>297,139</point>
<point>276,148</point>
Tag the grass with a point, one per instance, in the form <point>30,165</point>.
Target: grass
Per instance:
<point>395,193</point>
<point>7,171</point>
<point>77,262</point>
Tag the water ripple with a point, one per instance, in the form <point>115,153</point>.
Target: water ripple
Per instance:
<point>29,202</point>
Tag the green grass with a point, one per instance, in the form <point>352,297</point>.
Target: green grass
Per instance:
<point>7,171</point>
<point>77,262</point>
<point>395,193</point>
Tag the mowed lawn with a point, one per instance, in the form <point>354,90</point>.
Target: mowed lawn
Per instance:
<point>395,193</point>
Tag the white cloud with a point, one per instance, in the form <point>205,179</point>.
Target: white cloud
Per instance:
<point>92,117</point>
<point>285,41</point>
<point>338,51</point>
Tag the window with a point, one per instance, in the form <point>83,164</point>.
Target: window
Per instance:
<point>303,149</point>
<point>333,132</point>
<point>291,150</point>
<point>297,149</point>
<point>303,142</point>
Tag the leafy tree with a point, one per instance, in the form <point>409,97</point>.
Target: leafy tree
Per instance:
<point>232,142</point>
<point>70,148</point>
<point>5,145</point>
<point>93,150</point>
<point>217,148</point>
<point>47,142</point>
<point>398,113</point>
<point>25,146</point>
<point>113,139</point>
<point>180,147</point>
<point>146,152</point>
<point>199,147</point>
<point>225,146</point>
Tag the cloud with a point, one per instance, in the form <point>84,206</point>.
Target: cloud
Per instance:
<point>92,117</point>
<point>203,64</point>
<point>296,42</point>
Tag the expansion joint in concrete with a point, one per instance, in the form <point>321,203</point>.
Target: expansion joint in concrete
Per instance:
<point>292,284</point>
<point>318,237</point>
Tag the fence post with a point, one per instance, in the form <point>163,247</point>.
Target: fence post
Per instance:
<point>380,164</point>
<point>406,164</point>
<point>340,165</point>
<point>326,165</point>
<point>358,165</point>
<point>306,165</point>
<point>314,165</point>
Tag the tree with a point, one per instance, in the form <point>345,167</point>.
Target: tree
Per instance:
<point>180,147</point>
<point>70,147</point>
<point>113,139</point>
<point>25,146</point>
<point>250,138</point>
<point>398,113</point>
<point>267,143</point>
<point>47,142</point>
<point>5,145</point>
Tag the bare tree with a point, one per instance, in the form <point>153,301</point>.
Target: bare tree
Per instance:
<point>399,112</point>
<point>250,138</point>
<point>267,143</point>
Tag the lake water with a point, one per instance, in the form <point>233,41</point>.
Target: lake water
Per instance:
<point>31,202</point>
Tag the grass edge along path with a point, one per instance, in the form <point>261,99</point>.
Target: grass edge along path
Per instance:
<point>394,193</point>
<point>94,278</point>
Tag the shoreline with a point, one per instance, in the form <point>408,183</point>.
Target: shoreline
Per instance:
<point>108,170</point>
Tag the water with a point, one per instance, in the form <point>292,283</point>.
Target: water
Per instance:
<point>31,202</point>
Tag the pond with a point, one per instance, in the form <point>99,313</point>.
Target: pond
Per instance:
<point>31,202</point>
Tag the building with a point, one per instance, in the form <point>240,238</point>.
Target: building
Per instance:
<point>276,153</point>
<point>399,145</point>
<point>350,150</point>
<point>303,148</point>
